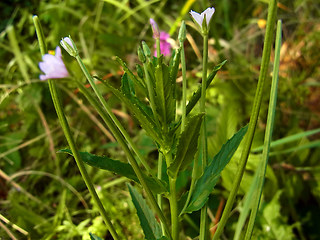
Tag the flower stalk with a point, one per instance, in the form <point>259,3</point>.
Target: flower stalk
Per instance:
<point>67,132</point>
<point>203,217</point>
<point>203,20</point>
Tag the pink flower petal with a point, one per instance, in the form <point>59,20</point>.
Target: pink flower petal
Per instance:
<point>53,66</point>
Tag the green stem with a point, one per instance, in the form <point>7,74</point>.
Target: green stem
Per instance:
<point>40,35</point>
<point>254,116</point>
<point>203,102</point>
<point>112,116</point>
<point>184,88</point>
<point>158,47</point>
<point>203,218</point>
<point>174,209</point>
<point>75,152</point>
<point>120,139</point>
<point>69,137</point>
<point>159,197</point>
<point>268,135</point>
<point>173,202</point>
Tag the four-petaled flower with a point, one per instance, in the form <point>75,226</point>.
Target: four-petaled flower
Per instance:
<point>198,18</point>
<point>53,66</point>
<point>165,46</point>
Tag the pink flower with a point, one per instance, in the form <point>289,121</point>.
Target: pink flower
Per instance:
<point>165,46</point>
<point>53,66</point>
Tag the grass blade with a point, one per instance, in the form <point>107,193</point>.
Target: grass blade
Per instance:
<point>289,139</point>
<point>272,14</point>
<point>268,134</point>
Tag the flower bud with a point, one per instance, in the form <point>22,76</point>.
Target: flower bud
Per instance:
<point>203,19</point>
<point>68,44</point>
<point>141,55</point>
<point>155,29</point>
<point>182,32</point>
<point>146,49</point>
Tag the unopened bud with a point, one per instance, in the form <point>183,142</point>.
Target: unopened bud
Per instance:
<point>68,44</point>
<point>155,29</point>
<point>182,32</point>
<point>141,55</point>
<point>146,49</point>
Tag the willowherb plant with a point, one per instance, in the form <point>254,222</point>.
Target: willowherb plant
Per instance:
<point>181,140</point>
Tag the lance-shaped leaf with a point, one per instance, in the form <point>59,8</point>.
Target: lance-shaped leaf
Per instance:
<point>174,69</point>
<point>174,66</point>
<point>94,237</point>
<point>136,80</point>
<point>210,177</point>
<point>187,145</point>
<point>196,95</point>
<point>148,222</point>
<point>164,91</point>
<point>115,166</point>
<point>127,86</point>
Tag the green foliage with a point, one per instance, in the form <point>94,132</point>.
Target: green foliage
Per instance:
<point>196,95</point>
<point>104,29</point>
<point>120,168</point>
<point>165,91</point>
<point>187,146</point>
<point>94,237</point>
<point>149,224</point>
<point>273,223</point>
<point>210,177</point>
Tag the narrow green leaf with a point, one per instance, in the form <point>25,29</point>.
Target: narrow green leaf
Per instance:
<point>210,177</point>
<point>94,237</point>
<point>187,145</point>
<point>174,69</point>
<point>127,86</point>
<point>163,238</point>
<point>247,203</point>
<point>313,144</point>
<point>196,95</point>
<point>148,222</point>
<point>142,112</point>
<point>161,77</point>
<point>139,70</point>
<point>174,65</point>
<point>166,105</point>
<point>288,139</point>
<point>136,80</point>
<point>117,167</point>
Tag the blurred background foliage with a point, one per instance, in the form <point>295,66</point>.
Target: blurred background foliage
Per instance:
<point>42,192</point>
